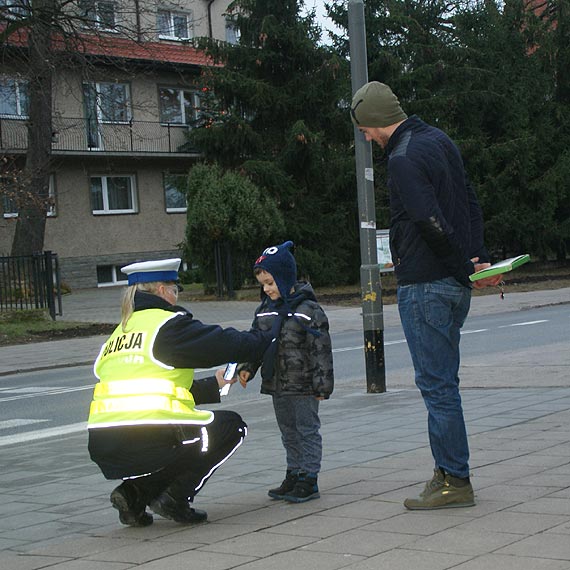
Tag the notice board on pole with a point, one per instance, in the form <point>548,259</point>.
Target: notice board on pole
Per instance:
<point>383,247</point>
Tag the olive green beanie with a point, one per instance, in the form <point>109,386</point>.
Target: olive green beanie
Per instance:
<point>374,105</point>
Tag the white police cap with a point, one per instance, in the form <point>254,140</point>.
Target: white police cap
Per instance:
<point>149,271</point>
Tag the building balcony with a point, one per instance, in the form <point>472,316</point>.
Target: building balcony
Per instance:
<point>80,136</point>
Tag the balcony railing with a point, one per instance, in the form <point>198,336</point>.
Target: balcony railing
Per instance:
<point>80,135</point>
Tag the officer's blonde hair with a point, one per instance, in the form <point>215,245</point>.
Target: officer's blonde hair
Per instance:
<point>128,302</point>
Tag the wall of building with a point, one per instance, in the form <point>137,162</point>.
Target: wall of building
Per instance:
<point>84,240</point>
<point>81,272</point>
<point>87,242</point>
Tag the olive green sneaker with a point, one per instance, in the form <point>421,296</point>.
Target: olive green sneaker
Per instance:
<point>435,482</point>
<point>443,492</point>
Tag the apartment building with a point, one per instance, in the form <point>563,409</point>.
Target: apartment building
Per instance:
<point>119,134</point>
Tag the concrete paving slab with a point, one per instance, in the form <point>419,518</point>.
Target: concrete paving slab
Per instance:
<point>505,562</point>
<point>404,559</point>
<point>260,544</point>
<point>546,545</point>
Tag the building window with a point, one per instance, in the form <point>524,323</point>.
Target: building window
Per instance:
<point>108,102</point>
<point>10,190</point>
<point>232,31</point>
<point>178,106</point>
<point>174,25</point>
<point>110,275</point>
<point>174,198</point>
<point>13,97</point>
<point>99,14</point>
<point>113,194</point>
<point>14,9</point>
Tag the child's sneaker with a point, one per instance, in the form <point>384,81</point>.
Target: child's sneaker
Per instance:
<point>305,489</point>
<point>286,486</point>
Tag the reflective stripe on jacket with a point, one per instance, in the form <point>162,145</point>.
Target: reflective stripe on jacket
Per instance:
<point>134,387</point>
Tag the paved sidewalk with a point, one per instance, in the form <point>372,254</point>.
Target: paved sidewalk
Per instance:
<point>54,509</point>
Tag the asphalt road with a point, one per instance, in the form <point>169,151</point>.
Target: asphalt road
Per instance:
<point>34,405</point>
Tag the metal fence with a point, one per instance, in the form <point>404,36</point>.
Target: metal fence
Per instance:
<point>92,136</point>
<point>30,282</point>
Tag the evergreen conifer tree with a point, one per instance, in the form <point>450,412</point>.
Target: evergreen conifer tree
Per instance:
<point>277,117</point>
<point>490,74</point>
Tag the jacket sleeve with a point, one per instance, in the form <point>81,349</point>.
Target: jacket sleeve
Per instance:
<point>476,215</point>
<point>320,347</point>
<point>184,342</point>
<point>251,366</point>
<point>205,391</point>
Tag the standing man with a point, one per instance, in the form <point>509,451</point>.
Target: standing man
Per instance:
<point>436,241</point>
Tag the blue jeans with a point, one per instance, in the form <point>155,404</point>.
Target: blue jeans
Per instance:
<point>299,422</point>
<point>432,315</point>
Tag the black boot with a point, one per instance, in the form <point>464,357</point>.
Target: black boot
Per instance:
<point>130,503</point>
<point>179,511</point>
<point>305,489</point>
<point>286,486</point>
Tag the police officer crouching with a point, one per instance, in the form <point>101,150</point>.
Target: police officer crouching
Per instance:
<point>144,426</point>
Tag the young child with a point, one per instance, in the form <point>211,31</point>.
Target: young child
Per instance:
<point>297,369</point>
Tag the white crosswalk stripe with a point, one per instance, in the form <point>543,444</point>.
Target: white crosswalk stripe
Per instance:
<point>30,389</point>
<point>43,434</point>
<point>7,424</point>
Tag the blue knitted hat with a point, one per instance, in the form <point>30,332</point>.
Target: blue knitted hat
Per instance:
<point>279,261</point>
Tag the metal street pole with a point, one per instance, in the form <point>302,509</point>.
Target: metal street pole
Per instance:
<point>370,284</point>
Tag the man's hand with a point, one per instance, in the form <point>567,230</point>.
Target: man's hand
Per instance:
<point>492,281</point>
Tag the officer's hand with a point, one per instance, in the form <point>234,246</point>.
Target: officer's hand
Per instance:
<point>244,377</point>
<point>220,378</point>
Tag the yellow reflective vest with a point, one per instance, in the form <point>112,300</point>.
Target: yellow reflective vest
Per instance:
<point>137,389</point>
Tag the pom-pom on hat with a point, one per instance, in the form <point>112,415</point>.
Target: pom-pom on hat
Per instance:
<point>149,271</point>
<point>375,105</point>
<point>279,261</point>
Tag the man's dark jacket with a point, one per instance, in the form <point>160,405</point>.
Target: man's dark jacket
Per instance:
<point>436,222</point>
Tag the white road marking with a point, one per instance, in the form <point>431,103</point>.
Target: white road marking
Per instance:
<point>6,424</point>
<point>43,434</point>
<point>33,393</point>
<point>523,324</point>
<point>30,389</point>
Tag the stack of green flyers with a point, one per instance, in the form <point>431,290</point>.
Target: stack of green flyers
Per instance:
<point>501,267</point>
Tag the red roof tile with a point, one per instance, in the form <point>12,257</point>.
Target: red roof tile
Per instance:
<point>123,48</point>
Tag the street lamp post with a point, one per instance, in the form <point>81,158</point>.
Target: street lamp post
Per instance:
<point>370,283</point>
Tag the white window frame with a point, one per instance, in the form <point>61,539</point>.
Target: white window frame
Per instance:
<point>232,31</point>
<point>116,269</point>
<point>100,100</point>
<point>165,177</point>
<point>106,211</point>
<point>95,19</point>
<point>171,35</point>
<point>51,211</point>
<point>18,84</point>
<point>182,109</point>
